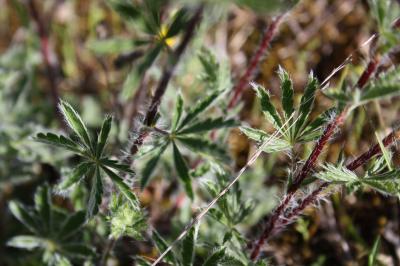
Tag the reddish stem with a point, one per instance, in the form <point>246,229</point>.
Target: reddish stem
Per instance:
<point>255,60</point>
<point>51,65</point>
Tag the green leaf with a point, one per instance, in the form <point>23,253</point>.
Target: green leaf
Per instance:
<point>114,164</point>
<point>25,242</point>
<point>313,130</point>
<point>374,252</point>
<point>43,206</point>
<point>78,250</point>
<point>162,245</point>
<point>215,258</point>
<point>125,8</point>
<point>24,216</point>
<point>338,174</point>
<point>75,122</point>
<point>386,85</point>
<point>306,103</point>
<point>266,105</point>
<point>384,186</point>
<point>102,138</point>
<point>59,141</point>
<point>375,92</point>
<point>73,224</point>
<point>77,174</point>
<point>208,124</point>
<point>274,144</point>
<point>123,187</point>
<point>95,196</point>
<point>149,59</point>
<point>287,92</point>
<point>151,165</point>
<point>178,24</point>
<point>189,244</point>
<point>183,171</point>
<point>200,107</point>
<point>205,148</point>
<point>178,112</point>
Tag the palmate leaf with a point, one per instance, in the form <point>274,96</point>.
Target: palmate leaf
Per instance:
<point>204,147</point>
<point>43,207</point>
<point>274,144</point>
<point>96,194</point>
<point>306,103</point>
<point>151,165</point>
<point>102,138</point>
<point>183,171</point>
<point>26,242</point>
<point>75,122</point>
<point>188,246</point>
<point>287,92</point>
<point>208,124</point>
<point>386,85</point>
<point>72,224</point>
<point>114,164</point>
<point>77,250</point>
<point>123,187</point>
<point>178,112</point>
<point>162,245</point>
<point>337,174</point>
<point>386,183</point>
<point>219,257</point>
<point>178,23</point>
<point>77,174</point>
<point>266,105</point>
<point>200,107</point>
<point>59,141</point>
<point>125,8</point>
<point>24,216</point>
<point>313,130</point>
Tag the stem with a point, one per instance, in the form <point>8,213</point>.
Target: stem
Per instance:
<point>51,65</point>
<point>255,61</point>
<point>374,150</point>
<point>150,117</point>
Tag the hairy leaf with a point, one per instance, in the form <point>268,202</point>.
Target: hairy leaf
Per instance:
<point>199,107</point>
<point>204,147</point>
<point>306,103</point>
<point>123,187</point>
<point>287,92</point>
<point>96,194</point>
<point>178,112</point>
<point>23,215</point>
<point>59,141</point>
<point>105,131</point>
<point>274,144</point>
<point>188,246</point>
<point>72,224</point>
<point>183,171</point>
<point>151,165</point>
<point>338,174</point>
<point>75,122</point>
<point>43,206</point>
<point>208,124</point>
<point>162,245</point>
<point>76,175</point>
<point>26,242</point>
<point>266,105</point>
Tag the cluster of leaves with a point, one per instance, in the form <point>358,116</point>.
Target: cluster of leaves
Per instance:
<point>385,86</point>
<point>187,129</point>
<point>95,164</point>
<point>378,177</point>
<point>54,231</point>
<point>294,126</point>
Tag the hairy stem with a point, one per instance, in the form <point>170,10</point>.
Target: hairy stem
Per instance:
<point>255,61</point>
